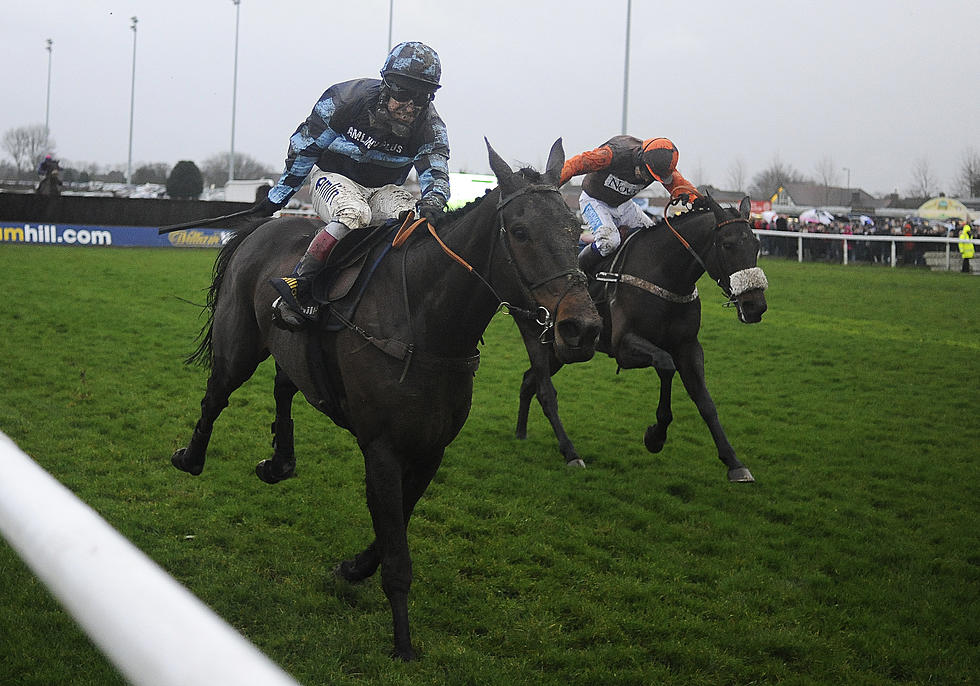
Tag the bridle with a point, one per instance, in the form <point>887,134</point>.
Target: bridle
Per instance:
<point>747,277</point>
<point>540,314</point>
<point>687,246</point>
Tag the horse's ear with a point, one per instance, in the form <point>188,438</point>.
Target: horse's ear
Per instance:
<point>716,209</point>
<point>556,160</point>
<point>500,169</point>
<point>744,207</point>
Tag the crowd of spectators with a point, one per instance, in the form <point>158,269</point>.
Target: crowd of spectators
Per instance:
<point>910,253</point>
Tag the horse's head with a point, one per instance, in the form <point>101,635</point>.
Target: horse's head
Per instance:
<point>736,257</point>
<point>540,236</point>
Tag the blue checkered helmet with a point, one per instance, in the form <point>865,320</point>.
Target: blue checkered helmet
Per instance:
<point>413,65</point>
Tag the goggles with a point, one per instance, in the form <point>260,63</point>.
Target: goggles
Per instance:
<point>420,98</point>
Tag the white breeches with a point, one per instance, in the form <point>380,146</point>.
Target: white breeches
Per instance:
<point>605,221</point>
<point>337,198</point>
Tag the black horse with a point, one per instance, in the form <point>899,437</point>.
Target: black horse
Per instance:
<point>51,184</point>
<point>647,295</point>
<point>395,367</point>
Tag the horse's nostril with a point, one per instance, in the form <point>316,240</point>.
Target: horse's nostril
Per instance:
<point>577,333</point>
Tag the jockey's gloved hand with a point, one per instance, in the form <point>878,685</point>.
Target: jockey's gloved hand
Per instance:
<point>685,197</point>
<point>266,208</point>
<point>431,207</point>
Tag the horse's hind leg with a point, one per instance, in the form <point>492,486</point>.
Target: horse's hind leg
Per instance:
<point>283,463</point>
<point>656,435</point>
<point>232,366</point>
<point>191,458</point>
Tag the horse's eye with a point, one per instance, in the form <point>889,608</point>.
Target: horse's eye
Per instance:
<point>520,233</point>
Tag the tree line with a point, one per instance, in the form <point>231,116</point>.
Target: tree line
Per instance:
<point>26,146</point>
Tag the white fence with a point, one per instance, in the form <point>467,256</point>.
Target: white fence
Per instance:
<point>152,628</point>
<point>848,246</point>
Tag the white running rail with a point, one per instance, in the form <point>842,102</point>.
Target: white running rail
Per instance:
<point>153,629</point>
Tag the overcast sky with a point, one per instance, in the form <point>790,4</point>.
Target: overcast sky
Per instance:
<point>873,86</point>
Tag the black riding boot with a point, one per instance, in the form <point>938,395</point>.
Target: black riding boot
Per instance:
<point>294,308</point>
<point>589,259</point>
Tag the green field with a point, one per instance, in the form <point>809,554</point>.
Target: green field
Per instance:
<point>854,558</point>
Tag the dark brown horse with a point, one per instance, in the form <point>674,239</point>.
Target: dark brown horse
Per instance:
<point>646,295</point>
<point>397,369</point>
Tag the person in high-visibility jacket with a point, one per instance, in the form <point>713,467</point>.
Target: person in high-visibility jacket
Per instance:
<point>966,246</point>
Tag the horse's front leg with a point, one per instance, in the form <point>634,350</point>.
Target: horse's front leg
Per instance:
<point>537,381</point>
<point>283,463</point>
<point>690,365</point>
<point>529,386</point>
<point>414,483</point>
<point>384,470</point>
<point>656,435</point>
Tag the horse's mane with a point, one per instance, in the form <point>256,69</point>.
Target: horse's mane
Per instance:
<point>529,174</point>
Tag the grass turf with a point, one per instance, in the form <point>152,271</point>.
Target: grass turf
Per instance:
<point>853,559</point>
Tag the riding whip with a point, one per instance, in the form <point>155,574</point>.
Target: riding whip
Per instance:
<point>203,222</point>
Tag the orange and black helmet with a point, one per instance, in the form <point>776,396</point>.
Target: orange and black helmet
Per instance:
<point>659,157</point>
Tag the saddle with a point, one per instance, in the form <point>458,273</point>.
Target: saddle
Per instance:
<point>339,288</point>
<point>332,289</point>
<point>345,264</point>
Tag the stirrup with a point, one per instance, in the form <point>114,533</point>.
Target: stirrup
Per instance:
<point>285,317</point>
<point>286,309</point>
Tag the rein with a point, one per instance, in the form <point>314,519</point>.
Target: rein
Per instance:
<point>694,254</point>
<point>540,315</point>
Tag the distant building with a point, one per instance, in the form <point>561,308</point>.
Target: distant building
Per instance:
<point>793,197</point>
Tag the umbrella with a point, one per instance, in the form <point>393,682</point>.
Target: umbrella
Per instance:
<point>815,216</point>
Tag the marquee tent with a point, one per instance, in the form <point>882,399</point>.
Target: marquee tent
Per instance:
<point>943,208</point>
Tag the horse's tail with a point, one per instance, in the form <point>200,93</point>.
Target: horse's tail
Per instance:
<point>204,354</point>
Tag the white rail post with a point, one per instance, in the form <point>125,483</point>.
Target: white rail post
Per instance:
<point>153,629</point>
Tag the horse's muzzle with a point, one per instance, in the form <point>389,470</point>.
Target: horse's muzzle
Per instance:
<point>751,305</point>
<point>576,334</point>
<point>748,287</point>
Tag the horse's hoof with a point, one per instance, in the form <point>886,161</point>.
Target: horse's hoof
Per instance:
<point>269,472</point>
<point>348,571</point>
<point>179,460</point>
<point>345,570</point>
<point>652,441</point>
<point>577,463</point>
<point>740,475</point>
<point>403,654</point>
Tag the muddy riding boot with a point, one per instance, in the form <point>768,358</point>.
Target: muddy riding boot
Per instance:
<point>294,308</point>
<point>589,259</point>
